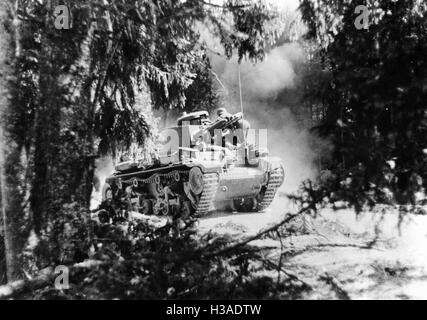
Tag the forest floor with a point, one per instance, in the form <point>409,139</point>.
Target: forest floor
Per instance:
<point>375,255</point>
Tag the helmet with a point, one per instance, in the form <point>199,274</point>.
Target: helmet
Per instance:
<point>220,111</point>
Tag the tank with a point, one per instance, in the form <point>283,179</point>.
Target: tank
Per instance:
<point>201,166</point>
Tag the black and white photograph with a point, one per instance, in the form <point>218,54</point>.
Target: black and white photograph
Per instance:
<point>193,151</point>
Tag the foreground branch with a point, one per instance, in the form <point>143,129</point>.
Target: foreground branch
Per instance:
<point>336,286</point>
<point>258,236</point>
<point>45,278</point>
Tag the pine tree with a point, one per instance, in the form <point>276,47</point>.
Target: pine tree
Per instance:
<point>375,100</point>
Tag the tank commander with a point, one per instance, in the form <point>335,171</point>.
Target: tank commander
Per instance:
<point>200,144</point>
<point>222,113</point>
<point>241,129</point>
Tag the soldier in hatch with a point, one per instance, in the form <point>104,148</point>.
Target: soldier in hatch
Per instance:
<point>238,134</point>
<point>200,144</point>
<point>222,113</point>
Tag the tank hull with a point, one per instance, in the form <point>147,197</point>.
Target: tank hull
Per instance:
<point>192,177</point>
<point>193,189</point>
<point>240,182</point>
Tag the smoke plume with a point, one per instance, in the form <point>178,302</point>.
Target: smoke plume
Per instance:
<point>272,100</point>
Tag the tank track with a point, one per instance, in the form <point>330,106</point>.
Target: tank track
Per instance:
<point>206,199</point>
<point>275,181</point>
<point>210,187</point>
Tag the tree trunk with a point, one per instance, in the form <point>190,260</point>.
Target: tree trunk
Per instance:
<point>63,146</point>
<point>9,48</point>
<point>10,231</point>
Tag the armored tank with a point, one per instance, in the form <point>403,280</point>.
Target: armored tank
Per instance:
<point>202,166</point>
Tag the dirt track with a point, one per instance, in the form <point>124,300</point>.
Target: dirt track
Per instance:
<point>332,254</point>
<point>344,256</point>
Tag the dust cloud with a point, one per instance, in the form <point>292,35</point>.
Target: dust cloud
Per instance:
<point>104,168</point>
<point>273,100</point>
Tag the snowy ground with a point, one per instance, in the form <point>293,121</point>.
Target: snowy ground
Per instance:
<point>366,257</point>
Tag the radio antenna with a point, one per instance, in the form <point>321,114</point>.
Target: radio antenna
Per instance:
<point>240,91</point>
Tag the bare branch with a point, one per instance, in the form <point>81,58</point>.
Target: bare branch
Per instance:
<point>235,7</point>
<point>259,235</point>
<point>45,278</point>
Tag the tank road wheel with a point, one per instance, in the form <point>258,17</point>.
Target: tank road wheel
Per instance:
<point>200,190</point>
<point>163,209</point>
<point>244,204</point>
<point>146,207</point>
<point>177,177</point>
<point>196,181</point>
<point>107,192</point>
